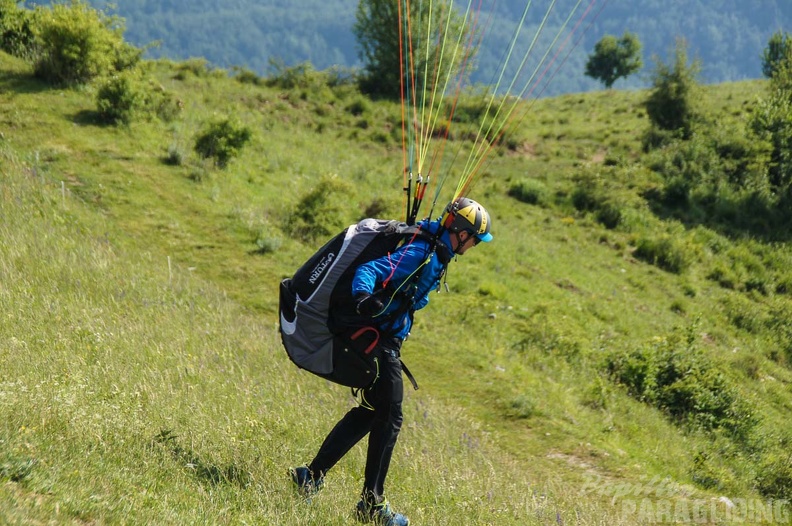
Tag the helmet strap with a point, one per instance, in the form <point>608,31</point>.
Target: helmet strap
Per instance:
<point>458,240</point>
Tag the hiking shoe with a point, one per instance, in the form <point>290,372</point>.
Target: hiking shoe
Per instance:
<point>380,514</point>
<point>305,482</point>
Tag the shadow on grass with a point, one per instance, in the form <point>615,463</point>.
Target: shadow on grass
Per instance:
<point>90,118</point>
<point>205,472</point>
<point>747,217</point>
<point>22,83</point>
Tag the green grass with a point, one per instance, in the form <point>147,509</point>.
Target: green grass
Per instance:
<point>142,379</point>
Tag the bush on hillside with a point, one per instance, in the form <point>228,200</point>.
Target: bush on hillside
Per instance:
<point>609,214</point>
<point>292,77</point>
<point>781,330</point>
<point>673,375</point>
<point>588,195</point>
<point>307,83</point>
<point>17,35</point>
<point>119,99</point>
<point>717,176</point>
<point>222,140</point>
<point>246,76</point>
<point>665,251</point>
<point>530,191</point>
<point>775,477</point>
<point>160,102</point>
<point>322,212</point>
<point>772,123</point>
<point>76,44</point>
<point>125,97</point>
<point>591,195</point>
<point>358,106</point>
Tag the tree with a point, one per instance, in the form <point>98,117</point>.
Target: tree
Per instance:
<point>440,46</point>
<point>772,121</point>
<point>670,102</point>
<point>778,50</point>
<point>614,58</point>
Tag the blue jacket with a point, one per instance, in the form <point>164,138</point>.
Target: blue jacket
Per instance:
<point>396,271</point>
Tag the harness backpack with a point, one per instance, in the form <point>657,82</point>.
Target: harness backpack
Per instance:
<point>316,304</point>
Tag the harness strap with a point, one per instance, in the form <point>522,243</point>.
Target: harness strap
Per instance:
<point>409,375</point>
<point>360,332</point>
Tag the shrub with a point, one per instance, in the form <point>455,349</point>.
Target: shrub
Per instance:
<point>663,251</point>
<point>784,285</point>
<point>119,98</point>
<point>300,76</point>
<point>609,215</point>
<point>198,67</point>
<point>267,244</point>
<point>174,156</point>
<point>673,375</point>
<point>162,103</point>
<point>709,473</point>
<point>745,314</point>
<point>655,138</point>
<point>775,477</point>
<point>77,43</point>
<point>246,76</point>
<point>17,35</point>
<point>323,211</point>
<point>781,330</point>
<point>222,140</point>
<point>343,79</point>
<point>530,191</point>
<point>358,106</point>
<point>521,407</point>
<point>772,124</point>
<point>587,197</point>
<point>723,276</point>
<point>686,165</point>
<point>123,97</point>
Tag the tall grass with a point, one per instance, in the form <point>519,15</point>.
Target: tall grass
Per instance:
<point>133,392</point>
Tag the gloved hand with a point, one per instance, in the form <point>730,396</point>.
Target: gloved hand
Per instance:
<point>368,305</point>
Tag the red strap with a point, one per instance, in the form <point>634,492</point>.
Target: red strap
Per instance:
<point>363,330</point>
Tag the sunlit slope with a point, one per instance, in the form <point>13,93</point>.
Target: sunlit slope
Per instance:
<point>142,376</point>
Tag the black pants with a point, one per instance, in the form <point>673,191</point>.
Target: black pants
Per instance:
<point>379,415</point>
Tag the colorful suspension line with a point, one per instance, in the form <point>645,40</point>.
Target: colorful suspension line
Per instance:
<point>444,59</point>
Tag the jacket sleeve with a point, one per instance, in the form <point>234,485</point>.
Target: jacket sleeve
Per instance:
<point>422,302</point>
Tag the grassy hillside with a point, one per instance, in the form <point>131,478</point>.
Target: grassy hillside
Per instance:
<point>142,379</point>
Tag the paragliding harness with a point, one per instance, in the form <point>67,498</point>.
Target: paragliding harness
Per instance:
<point>319,324</point>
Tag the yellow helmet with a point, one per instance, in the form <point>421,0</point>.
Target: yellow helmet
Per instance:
<point>466,214</point>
